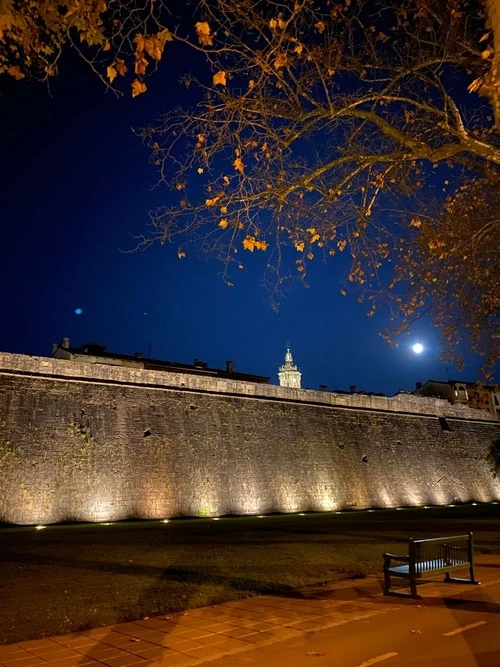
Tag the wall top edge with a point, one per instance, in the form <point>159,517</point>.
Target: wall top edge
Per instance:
<point>81,371</point>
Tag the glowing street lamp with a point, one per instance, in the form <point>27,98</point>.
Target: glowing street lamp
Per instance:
<point>418,348</point>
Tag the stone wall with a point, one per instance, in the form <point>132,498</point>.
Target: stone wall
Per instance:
<point>100,443</point>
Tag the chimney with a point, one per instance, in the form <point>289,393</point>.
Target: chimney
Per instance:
<point>352,388</point>
<point>138,355</point>
<point>418,385</point>
<point>230,366</point>
<point>200,364</point>
<point>65,343</point>
<point>323,387</point>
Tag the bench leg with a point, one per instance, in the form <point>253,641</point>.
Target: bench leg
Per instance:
<point>387,583</point>
<point>455,580</point>
<point>413,587</point>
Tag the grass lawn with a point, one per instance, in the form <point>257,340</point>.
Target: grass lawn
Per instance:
<point>66,578</point>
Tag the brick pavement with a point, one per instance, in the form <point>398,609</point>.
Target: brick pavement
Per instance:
<point>204,634</point>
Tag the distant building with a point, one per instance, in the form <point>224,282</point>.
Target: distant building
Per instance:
<point>94,353</point>
<point>289,375</point>
<point>473,394</point>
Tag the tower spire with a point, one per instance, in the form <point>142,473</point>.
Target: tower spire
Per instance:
<point>289,375</point>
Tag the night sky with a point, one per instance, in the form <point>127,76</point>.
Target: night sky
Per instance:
<point>76,184</point>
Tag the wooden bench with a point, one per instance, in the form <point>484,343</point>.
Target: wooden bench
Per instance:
<point>428,557</point>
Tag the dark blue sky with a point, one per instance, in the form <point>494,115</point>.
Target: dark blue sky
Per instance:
<point>76,183</point>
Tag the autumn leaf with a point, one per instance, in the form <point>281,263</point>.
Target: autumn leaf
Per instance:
<point>121,68</point>
<point>181,254</point>
<point>343,292</point>
<point>106,46</point>
<point>15,71</point>
<point>212,202</point>
<point>204,33</point>
<point>139,40</point>
<point>111,73</point>
<point>226,180</point>
<point>415,222</point>
<point>238,165</point>
<point>249,243</point>
<point>219,78</point>
<point>341,245</point>
<point>299,245</point>
<point>251,84</point>
<point>298,49</point>
<point>280,60</point>
<point>6,21</point>
<point>153,47</point>
<point>140,64</point>
<point>201,138</point>
<point>314,234</point>
<point>138,87</point>
<point>200,170</point>
<point>320,27</point>
<point>165,35</point>
<point>223,223</point>
<point>223,210</point>
<point>261,245</point>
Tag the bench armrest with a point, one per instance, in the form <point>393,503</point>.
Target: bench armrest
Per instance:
<point>388,557</point>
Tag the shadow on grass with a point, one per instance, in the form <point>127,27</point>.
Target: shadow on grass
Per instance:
<point>253,586</point>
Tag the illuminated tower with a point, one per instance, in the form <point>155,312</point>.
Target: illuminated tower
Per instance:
<point>289,374</point>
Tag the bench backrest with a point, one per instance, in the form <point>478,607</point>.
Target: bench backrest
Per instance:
<point>441,552</point>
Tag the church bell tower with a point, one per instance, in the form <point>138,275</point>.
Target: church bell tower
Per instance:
<point>289,374</point>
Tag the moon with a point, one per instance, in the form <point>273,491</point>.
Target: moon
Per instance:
<point>418,348</point>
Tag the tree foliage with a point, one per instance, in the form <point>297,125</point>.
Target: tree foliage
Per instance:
<point>115,38</point>
<point>346,128</point>
<point>360,129</point>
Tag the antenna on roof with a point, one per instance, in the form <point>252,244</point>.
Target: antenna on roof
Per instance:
<point>150,349</point>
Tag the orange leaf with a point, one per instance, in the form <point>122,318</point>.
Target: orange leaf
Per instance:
<point>106,46</point>
<point>280,60</point>
<point>204,33</point>
<point>219,78</point>
<point>299,245</point>
<point>223,223</point>
<point>261,245</point>
<point>181,254</point>
<point>140,64</point>
<point>138,87</point>
<point>139,40</point>
<point>111,73</point>
<point>249,243</point>
<point>153,47</point>
<point>238,165</point>
<point>121,68</point>
<point>200,170</point>
<point>15,71</point>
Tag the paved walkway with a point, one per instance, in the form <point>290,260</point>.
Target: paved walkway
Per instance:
<point>210,633</point>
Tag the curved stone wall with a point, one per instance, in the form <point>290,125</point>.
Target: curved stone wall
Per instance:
<point>81,443</point>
